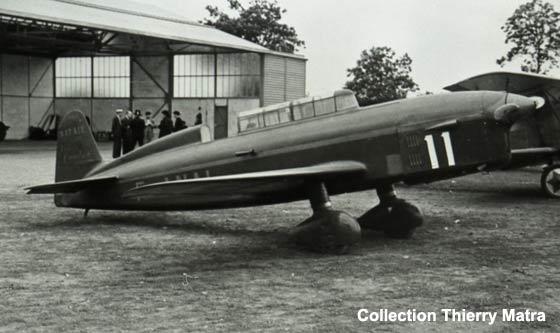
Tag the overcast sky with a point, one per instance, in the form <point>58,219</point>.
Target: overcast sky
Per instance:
<point>448,40</point>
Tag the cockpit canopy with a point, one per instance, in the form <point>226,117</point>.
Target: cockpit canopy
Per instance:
<point>299,109</point>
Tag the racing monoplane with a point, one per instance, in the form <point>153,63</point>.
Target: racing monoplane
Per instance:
<point>305,149</point>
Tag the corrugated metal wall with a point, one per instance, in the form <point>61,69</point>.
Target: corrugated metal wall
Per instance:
<point>26,92</point>
<point>295,79</point>
<point>284,79</point>
<point>274,85</point>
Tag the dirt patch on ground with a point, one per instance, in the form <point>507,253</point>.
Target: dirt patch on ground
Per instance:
<point>489,242</point>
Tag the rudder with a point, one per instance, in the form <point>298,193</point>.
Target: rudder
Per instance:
<point>76,152</point>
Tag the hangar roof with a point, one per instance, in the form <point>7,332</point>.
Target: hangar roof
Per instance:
<point>130,18</point>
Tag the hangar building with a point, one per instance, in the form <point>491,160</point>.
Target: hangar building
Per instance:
<point>60,55</point>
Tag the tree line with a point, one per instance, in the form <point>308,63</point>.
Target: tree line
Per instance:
<point>380,75</point>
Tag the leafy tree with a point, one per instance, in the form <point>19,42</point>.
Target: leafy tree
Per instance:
<point>258,23</point>
<point>381,76</point>
<point>533,29</point>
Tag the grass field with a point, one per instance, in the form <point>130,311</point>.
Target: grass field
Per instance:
<point>490,241</point>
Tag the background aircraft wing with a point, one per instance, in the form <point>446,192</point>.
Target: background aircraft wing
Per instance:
<point>250,183</point>
<point>518,83</point>
<point>70,186</point>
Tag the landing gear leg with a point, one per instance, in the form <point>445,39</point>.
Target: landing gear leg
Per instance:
<point>327,230</point>
<point>395,217</point>
<point>550,181</point>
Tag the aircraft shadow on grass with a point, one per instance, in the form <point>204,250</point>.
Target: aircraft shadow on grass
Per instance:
<point>151,221</point>
<point>499,195</point>
<point>275,238</point>
<point>265,249</point>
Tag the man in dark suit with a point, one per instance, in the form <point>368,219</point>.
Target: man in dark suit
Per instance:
<point>137,125</point>
<point>166,124</point>
<point>179,123</point>
<point>116,130</point>
<point>128,143</point>
<point>198,119</point>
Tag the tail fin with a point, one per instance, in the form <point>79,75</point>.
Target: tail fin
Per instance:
<point>76,152</point>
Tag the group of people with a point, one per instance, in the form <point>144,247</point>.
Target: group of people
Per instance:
<point>168,126</point>
<point>130,130</point>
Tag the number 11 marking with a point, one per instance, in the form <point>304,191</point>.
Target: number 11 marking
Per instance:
<point>448,148</point>
<point>433,153</point>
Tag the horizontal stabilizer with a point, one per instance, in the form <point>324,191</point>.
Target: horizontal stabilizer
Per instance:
<point>250,183</point>
<point>71,186</point>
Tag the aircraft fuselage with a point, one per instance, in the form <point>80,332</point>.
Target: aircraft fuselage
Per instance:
<point>413,140</point>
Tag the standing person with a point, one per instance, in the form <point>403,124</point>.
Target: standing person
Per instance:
<point>166,124</point>
<point>3,129</point>
<point>128,141</point>
<point>137,125</point>
<point>198,119</point>
<point>179,123</point>
<point>148,127</point>
<point>116,130</point>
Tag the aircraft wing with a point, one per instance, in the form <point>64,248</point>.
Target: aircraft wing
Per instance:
<point>518,83</point>
<point>527,156</point>
<point>70,186</point>
<point>540,151</point>
<point>544,154</point>
<point>250,183</point>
